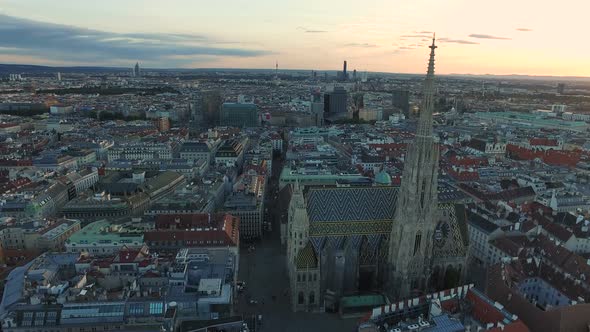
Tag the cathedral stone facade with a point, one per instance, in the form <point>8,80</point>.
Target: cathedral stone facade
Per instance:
<point>410,250</point>
<point>352,239</point>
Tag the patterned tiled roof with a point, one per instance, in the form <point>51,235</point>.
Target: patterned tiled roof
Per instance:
<point>306,258</point>
<point>353,227</point>
<point>451,237</point>
<point>351,203</point>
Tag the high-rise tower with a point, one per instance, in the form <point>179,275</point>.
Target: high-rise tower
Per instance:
<point>136,70</point>
<point>410,247</point>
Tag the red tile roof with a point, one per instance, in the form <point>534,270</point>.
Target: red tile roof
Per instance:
<point>543,141</point>
<point>558,231</point>
<point>483,311</point>
<point>145,263</point>
<point>487,312</point>
<point>507,246</point>
<point>551,250</point>
<point>196,229</point>
<point>127,256</point>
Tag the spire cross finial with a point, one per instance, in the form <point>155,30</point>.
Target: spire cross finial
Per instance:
<point>433,46</point>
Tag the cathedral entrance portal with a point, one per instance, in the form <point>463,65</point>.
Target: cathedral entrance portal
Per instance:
<point>366,278</point>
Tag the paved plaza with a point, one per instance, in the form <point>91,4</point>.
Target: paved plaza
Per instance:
<point>265,274</point>
<point>266,282</point>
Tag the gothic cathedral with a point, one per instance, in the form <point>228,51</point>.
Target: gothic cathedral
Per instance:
<point>344,239</point>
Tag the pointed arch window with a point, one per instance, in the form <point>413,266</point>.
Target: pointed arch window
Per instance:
<point>417,241</point>
<point>423,194</point>
<point>300,298</point>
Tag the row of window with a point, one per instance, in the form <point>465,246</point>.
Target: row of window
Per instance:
<point>301,298</point>
<point>79,329</point>
<point>301,277</point>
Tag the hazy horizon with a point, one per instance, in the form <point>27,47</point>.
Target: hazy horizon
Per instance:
<point>500,38</point>
<point>319,71</point>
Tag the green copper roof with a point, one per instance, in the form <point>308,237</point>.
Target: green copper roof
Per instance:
<point>362,301</point>
<point>102,232</point>
<point>383,178</point>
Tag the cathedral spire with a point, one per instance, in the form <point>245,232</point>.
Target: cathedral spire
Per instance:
<point>431,60</point>
<point>410,241</point>
<point>425,121</point>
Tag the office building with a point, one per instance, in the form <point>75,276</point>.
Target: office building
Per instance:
<point>136,70</point>
<point>342,75</point>
<point>239,115</point>
<point>401,101</point>
<point>335,102</point>
<point>210,107</point>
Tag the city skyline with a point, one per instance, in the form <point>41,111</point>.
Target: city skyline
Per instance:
<point>480,38</point>
<point>178,169</point>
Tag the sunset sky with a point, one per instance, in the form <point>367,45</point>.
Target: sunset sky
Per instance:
<point>537,37</point>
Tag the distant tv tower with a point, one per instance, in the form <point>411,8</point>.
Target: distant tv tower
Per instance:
<point>277,70</point>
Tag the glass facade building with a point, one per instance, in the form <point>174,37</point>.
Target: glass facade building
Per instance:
<point>239,115</point>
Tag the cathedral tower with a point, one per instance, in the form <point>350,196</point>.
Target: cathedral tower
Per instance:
<point>410,247</point>
<point>297,225</point>
<point>302,262</point>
